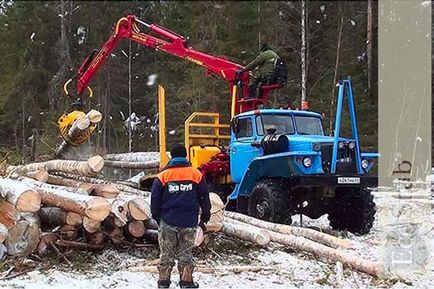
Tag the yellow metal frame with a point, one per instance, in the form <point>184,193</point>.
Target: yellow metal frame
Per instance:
<point>192,139</point>
<point>162,125</point>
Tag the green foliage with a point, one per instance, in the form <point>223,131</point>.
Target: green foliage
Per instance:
<point>33,68</point>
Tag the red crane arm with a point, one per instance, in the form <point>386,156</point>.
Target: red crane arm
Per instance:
<point>127,27</point>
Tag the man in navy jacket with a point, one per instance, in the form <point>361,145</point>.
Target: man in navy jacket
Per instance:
<point>177,194</point>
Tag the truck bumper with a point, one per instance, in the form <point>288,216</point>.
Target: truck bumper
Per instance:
<point>334,181</point>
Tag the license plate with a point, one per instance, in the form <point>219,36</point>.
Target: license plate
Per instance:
<point>348,180</point>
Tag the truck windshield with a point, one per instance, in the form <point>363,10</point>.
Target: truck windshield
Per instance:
<point>309,125</point>
<point>282,123</point>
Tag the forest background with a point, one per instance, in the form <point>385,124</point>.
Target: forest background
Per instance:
<point>43,43</point>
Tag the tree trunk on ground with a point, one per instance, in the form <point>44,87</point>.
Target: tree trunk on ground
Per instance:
<point>23,238</point>
<point>39,175</point>
<point>51,217</point>
<point>246,232</point>
<point>132,165</point>
<point>3,233</point>
<point>24,198</point>
<point>9,216</point>
<point>136,228</point>
<point>331,254</point>
<point>86,168</point>
<point>120,187</point>
<point>55,180</point>
<point>316,236</point>
<point>139,209</point>
<point>105,190</point>
<point>95,208</point>
<point>134,157</point>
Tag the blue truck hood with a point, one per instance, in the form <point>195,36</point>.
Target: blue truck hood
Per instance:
<point>304,142</point>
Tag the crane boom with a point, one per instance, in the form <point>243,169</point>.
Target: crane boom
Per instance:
<point>172,43</point>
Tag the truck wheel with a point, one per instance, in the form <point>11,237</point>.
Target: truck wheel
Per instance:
<point>354,211</point>
<point>269,201</point>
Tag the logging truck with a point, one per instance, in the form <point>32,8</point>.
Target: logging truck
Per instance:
<point>268,163</point>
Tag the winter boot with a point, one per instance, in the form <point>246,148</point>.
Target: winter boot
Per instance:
<point>186,277</point>
<point>164,276</point>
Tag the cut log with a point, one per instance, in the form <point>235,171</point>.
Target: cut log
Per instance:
<point>139,209</point>
<point>39,175</point>
<point>246,232</point>
<point>311,234</point>
<point>151,224</point>
<point>23,197</point>
<point>136,228</point>
<point>73,219</point>
<point>91,225</point>
<point>3,232</point>
<point>151,236</point>
<point>9,216</point>
<point>331,254</point>
<point>134,157</point>
<point>121,187</point>
<point>51,217</point>
<point>86,168</point>
<point>95,208</point>
<point>56,180</point>
<point>120,210</point>
<point>132,165</point>
<point>23,238</point>
<point>217,209</point>
<point>105,190</point>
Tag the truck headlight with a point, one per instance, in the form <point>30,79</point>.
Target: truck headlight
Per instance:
<point>365,164</point>
<point>341,145</point>
<point>352,145</point>
<point>307,162</point>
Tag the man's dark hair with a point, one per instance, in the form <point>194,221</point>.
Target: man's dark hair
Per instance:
<point>178,151</point>
<point>264,47</point>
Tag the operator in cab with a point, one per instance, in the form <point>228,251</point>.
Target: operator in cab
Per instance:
<point>263,67</point>
<point>177,194</point>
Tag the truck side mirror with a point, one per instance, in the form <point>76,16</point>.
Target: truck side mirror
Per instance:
<point>234,125</point>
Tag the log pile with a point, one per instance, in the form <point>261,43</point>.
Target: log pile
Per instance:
<point>63,204</point>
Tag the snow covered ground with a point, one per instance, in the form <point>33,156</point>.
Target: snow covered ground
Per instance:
<point>113,269</point>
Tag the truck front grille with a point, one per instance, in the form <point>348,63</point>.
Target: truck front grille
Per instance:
<point>346,161</point>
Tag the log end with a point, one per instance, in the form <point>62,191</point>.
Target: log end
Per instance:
<point>29,201</point>
<point>96,163</point>
<point>98,209</point>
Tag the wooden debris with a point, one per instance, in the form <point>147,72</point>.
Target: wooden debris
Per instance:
<point>9,216</point>
<point>136,228</point>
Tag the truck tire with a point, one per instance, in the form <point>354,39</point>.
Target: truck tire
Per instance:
<point>270,201</point>
<point>354,212</point>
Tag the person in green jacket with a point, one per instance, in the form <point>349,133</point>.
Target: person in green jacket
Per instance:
<point>263,66</point>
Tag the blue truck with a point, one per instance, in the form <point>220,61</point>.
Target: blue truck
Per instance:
<point>282,164</point>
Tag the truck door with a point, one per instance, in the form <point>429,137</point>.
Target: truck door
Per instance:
<point>240,150</point>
